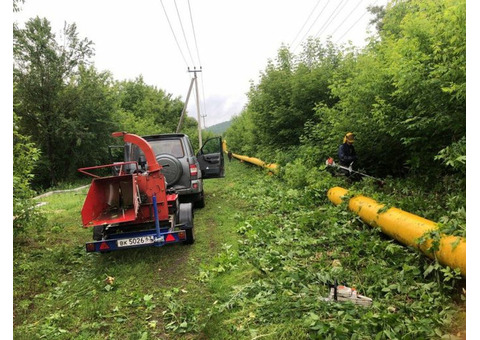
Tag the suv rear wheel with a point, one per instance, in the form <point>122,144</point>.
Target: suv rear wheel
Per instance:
<point>200,203</point>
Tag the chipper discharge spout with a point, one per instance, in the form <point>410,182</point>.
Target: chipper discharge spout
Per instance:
<point>133,208</point>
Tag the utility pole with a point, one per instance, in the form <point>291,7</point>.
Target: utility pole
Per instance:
<point>179,126</point>
<point>198,106</point>
<point>194,80</point>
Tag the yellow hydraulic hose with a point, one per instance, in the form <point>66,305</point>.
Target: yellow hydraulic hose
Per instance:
<point>406,228</point>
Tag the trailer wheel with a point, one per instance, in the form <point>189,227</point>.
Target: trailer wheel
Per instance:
<point>185,217</point>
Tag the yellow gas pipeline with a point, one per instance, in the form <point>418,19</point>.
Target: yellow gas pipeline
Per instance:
<point>256,161</point>
<point>406,228</point>
<point>272,167</point>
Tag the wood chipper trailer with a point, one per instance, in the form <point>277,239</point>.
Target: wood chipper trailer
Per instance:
<point>133,208</point>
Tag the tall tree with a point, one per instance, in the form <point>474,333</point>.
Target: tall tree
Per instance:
<point>405,96</point>
<point>42,69</point>
<point>16,5</point>
<point>89,104</point>
<point>146,109</point>
<point>285,98</point>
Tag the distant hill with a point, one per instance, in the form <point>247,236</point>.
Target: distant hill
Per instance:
<point>219,128</point>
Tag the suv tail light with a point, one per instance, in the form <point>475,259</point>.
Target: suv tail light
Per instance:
<point>193,170</point>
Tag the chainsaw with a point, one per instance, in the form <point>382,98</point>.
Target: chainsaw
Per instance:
<point>342,293</point>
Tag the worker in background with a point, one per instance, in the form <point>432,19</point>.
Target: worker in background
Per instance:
<point>346,151</point>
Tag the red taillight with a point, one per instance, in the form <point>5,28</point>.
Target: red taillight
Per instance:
<point>182,236</point>
<point>193,170</point>
<point>90,247</point>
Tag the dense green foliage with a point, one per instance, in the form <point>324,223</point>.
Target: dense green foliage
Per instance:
<point>403,96</point>
<point>68,109</point>
<point>25,155</point>
<point>149,110</point>
<point>41,70</point>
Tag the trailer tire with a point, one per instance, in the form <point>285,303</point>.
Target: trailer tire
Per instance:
<point>185,217</point>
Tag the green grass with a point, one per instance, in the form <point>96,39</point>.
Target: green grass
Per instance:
<point>259,267</point>
<point>59,290</point>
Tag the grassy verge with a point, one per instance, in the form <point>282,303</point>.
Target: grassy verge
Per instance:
<point>294,243</point>
<point>264,255</point>
<point>62,292</point>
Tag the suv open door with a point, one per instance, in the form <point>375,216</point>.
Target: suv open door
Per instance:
<point>210,158</point>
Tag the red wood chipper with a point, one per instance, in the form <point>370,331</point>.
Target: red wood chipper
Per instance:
<point>133,207</point>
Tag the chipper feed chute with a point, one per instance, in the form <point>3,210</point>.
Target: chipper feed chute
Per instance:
<point>111,200</point>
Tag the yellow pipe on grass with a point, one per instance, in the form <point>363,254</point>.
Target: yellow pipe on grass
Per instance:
<point>272,167</point>
<point>256,161</point>
<point>406,228</point>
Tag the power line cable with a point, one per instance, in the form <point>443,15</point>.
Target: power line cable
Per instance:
<point>356,22</point>
<point>183,31</point>
<point>194,35</point>
<point>348,16</point>
<point>318,16</point>
<point>200,62</point>
<point>333,15</point>
<point>173,32</point>
<point>301,29</point>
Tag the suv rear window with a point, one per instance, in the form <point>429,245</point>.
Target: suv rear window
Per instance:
<point>170,146</point>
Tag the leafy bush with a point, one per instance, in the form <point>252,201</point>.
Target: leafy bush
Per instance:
<point>25,155</point>
<point>455,155</point>
<point>403,96</point>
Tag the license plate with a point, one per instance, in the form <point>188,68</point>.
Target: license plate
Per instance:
<point>135,241</point>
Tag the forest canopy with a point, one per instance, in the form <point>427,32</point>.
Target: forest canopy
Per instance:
<point>68,109</point>
<point>403,95</point>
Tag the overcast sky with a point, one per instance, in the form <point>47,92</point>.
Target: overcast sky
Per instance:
<point>235,39</point>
